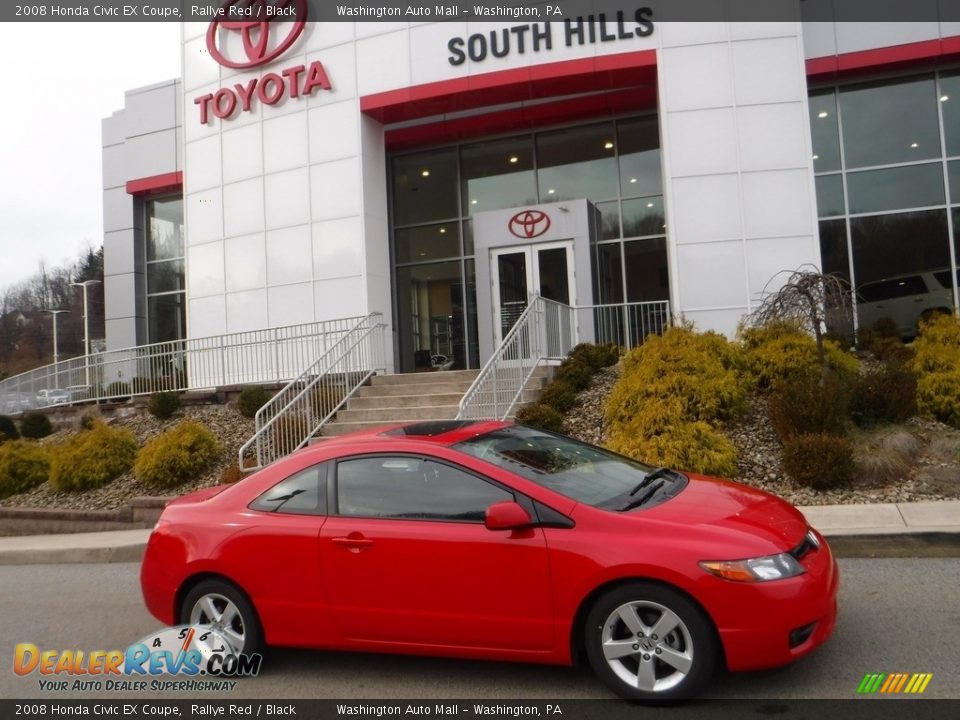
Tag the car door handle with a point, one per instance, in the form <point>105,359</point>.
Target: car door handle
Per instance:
<point>353,544</point>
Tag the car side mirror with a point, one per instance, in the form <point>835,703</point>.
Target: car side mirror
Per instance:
<point>507,516</point>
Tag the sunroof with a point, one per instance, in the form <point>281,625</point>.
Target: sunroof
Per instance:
<point>431,428</point>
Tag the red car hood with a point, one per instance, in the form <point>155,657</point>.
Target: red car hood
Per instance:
<point>730,506</point>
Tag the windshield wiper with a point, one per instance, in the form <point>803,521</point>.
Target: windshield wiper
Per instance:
<point>651,491</point>
<point>650,477</point>
<point>282,499</point>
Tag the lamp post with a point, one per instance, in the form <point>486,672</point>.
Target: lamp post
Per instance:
<point>86,328</point>
<point>56,375</point>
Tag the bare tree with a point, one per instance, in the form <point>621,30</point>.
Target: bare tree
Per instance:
<point>809,298</point>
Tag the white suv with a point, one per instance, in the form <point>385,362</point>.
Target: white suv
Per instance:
<point>905,299</point>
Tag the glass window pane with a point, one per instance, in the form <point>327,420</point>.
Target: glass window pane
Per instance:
<point>468,237</point>
<point>430,242</point>
<point>165,276</point>
<point>894,188</point>
<point>645,266</point>
<point>165,225</point>
<point>430,311</point>
<point>497,174</point>
<point>892,122</point>
<point>609,220</point>
<point>577,163</point>
<point>829,195</point>
<point>953,173</point>
<point>300,494</point>
<point>413,489</point>
<point>950,107</point>
<point>823,127</point>
<point>900,251</point>
<point>167,318</point>
<point>639,149</point>
<point>643,216</point>
<point>834,252</point>
<point>609,274</point>
<point>425,187</point>
<point>473,345</point>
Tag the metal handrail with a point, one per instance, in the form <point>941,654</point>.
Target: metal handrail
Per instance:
<point>259,356</point>
<point>628,324</point>
<point>544,331</point>
<point>305,404</point>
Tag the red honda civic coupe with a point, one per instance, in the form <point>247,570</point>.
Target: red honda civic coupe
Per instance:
<point>498,541</point>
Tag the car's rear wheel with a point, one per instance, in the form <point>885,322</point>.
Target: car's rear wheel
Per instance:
<point>648,642</point>
<point>227,610</point>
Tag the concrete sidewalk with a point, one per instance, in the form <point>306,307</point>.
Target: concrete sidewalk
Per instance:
<point>883,521</point>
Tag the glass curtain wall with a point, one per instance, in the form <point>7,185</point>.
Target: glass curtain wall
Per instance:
<point>614,164</point>
<point>887,165</point>
<point>166,289</point>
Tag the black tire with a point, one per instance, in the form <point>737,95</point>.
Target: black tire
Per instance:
<point>690,644</point>
<point>245,624</point>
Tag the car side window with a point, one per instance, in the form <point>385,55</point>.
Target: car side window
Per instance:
<point>304,493</point>
<point>413,488</point>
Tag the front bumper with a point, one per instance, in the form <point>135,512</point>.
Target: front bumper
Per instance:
<point>769,624</point>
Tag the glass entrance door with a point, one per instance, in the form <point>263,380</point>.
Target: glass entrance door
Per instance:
<point>522,272</point>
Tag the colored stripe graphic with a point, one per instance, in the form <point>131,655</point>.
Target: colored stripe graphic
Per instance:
<point>894,683</point>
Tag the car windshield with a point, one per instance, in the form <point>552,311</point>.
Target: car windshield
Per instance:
<point>580,471</point>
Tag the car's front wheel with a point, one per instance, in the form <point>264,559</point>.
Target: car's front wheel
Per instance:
<point>227,610</point>
<point>649,642</point>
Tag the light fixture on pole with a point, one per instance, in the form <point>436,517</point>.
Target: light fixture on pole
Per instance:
<point>86,327</point>
<point>56,357</point>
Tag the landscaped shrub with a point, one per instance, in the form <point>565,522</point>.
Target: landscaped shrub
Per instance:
<point>163,405</point>
<point>575,373</point>
<point>937,364</point>
<point>700,370</point>
<point>938,396</point>
<point>819,461</point>
<point>8,429</point>
<point>35,426</point>
<point>887,393</point>
<point>885,456</point>
<point>882,340</point>
<point>180,454</point>
<point>776,353</point>
<point>89,418</point>
<point>232,473</point>
<point>540,416</point>
<point>23,466</point>
<point>251,399</point>
<point>596,357</point>
<point>92,458</point>
<point>118,391</point>
<point>810,403</point>
<point>559,395</point>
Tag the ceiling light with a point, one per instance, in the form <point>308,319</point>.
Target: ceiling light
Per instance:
<point>633,180</point>
<point>608,145</point>
<point>649,204</point>
<point>422,253</point>
<point>914,145</point>
<point>944,98</point>
<point>514,158</point>
<point>816,157</point>
<point>443,230</point>
<point>551,191</point>
<point>425,173</point>
<point>822,114</point>
<point>473,202</point>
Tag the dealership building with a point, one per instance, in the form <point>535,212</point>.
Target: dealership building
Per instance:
<point>443,173</point>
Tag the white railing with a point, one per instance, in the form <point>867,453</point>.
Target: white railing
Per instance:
<point>546,330</point>
<point>628,324</point>
<point>300,410</point>
<point>260,356</point>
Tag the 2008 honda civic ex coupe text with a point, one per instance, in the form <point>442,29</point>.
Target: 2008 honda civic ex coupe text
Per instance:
<point>498,541</point>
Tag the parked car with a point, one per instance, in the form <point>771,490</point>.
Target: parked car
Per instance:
<point>46,398</point>
<point>906,299</point>
<point>498,541</point>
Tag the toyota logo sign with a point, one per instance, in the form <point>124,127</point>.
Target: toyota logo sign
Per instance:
<point>256,36</point>
<point>529,224</point>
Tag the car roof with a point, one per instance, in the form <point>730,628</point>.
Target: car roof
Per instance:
<point>439,432</point>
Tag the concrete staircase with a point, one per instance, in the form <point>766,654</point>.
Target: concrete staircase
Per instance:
<point>414,397</point>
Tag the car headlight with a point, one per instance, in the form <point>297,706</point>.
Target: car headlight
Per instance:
<point>761,569</point>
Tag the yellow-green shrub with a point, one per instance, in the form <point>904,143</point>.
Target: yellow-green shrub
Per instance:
<point>700,370</point>
<point>23,466</point>
<point>178,455</point>
<point>777,353</point>
<point>937,364</point>
<point>92,458</point>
